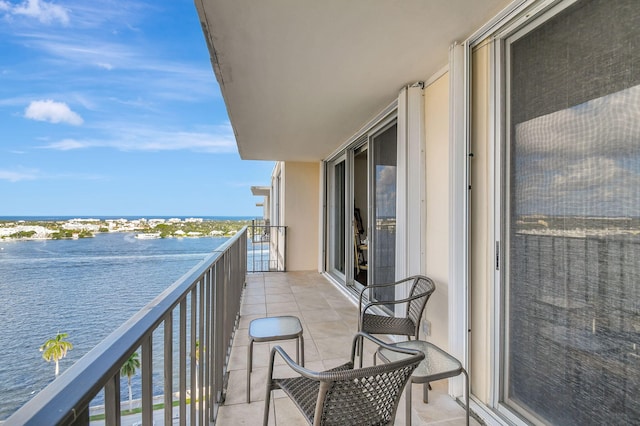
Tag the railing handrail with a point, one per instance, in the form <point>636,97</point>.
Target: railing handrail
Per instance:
<point>63,400</point>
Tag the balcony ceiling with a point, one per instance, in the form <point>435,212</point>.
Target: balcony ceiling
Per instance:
<point>301,77</point>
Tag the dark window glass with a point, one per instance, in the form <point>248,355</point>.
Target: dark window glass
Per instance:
<point>573,278</point>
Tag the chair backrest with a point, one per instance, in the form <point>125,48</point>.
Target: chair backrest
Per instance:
<point>424,287</point>
<point>363,396</point>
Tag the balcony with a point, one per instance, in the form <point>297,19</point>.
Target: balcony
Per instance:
<point>329,320</point>
<point>185,337</point>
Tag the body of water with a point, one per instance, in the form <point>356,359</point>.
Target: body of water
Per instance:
<point>86,288</point>
<point>64,218</point>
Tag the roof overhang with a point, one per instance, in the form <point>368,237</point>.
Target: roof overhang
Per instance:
<point>300,78</point>
<point>261,191</point>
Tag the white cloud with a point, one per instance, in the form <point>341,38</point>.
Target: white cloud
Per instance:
<point>587,174</point>
<point>172,141</point>
<point>104,65</point>
<point>144,67</point>
<point>53,112</point>
<point>17,101</point>
<point>609,125</point>
<point>87,102</point>
<point>166,78</point>
<point>90,51</point>
<point>596,186</point>
<point>43,11</point>
<point>67,145</point>
<point>386,191</point>
<point>583,160</point>
<point>21,174</point>
<point>128,138</point>
<point>15,176</point>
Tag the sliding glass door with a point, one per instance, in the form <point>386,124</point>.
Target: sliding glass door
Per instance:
<point>384,176</point>
<point>361,211</point>
<point>336,217</point>
<point>572,223</point>
<point>360,218</point>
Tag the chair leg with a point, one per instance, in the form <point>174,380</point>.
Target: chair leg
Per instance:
<point>466,394</point>
<point>249,368</point>
<point>267,400</point>
<point>270,387</point>
<point>407,396</point>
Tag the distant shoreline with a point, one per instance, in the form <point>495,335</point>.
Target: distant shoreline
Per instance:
<point>60,227</point>
<point>53,218</point>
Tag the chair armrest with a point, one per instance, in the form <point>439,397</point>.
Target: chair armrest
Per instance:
<point>291,363</point>
<point>375,340</point>
<point>339,374</point>
<point>391,302</point>
<point>360,296</point>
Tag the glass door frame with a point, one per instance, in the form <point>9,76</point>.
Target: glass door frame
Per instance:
<point>360,146</point>
<point>537,14</point>
<point>332,220</point>
<point>387,118</point>
<point>371,234</point>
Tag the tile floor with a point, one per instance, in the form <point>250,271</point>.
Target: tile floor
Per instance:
<point>329,320</point>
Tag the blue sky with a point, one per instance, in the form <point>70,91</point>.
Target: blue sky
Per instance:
<point>112,108</point>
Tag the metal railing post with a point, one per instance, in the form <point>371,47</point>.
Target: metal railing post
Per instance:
<point>183,362</point>
<point>147,380</point>
<point>112,401</point>
<point>168,368</point>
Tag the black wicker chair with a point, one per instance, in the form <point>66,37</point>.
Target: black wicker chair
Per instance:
<point>408,325</point>
<point>344,395</point>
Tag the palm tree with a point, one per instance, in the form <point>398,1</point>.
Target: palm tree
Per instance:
<point>55,349</point>
<point>196,355</point>
<point>197,351</point>
<point>129,369</point>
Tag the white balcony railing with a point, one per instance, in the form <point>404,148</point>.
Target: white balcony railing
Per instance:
<point>194,319</point>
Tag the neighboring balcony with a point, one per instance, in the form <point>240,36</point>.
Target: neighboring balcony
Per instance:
<point>193,341</point>
<point>266,251</point>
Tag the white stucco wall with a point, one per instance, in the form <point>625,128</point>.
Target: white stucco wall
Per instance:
<point>479,276</point>
<point>436,99</point>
